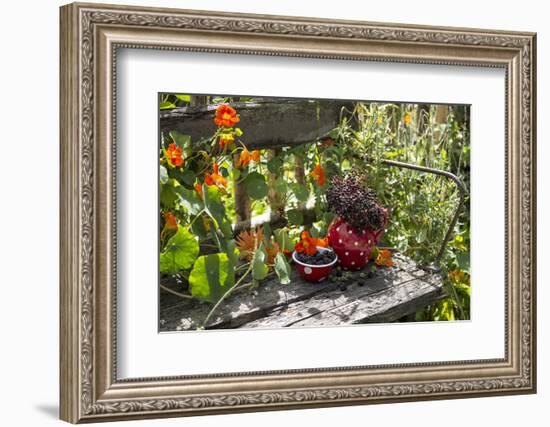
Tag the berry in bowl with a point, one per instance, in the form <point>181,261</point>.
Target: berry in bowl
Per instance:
<point>314,261</point>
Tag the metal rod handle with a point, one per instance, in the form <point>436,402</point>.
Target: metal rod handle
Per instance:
<point>459,185</point>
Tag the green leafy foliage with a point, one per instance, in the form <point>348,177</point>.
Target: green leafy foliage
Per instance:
<point>283,240</point>
<point>163,175</point>
<point>300,191</point>
<point>231,251</point>
<point>166,105</point>
<point>190,200</point>
<point>168,194</point>
<point>463,260</point>
<point>280,185</point>
<point>212,276</point>
<point>295,217</point>
<point>275,165</point>
<point>282,268</point>
<point>184,98</point>
<point>256,186</point>
<point>183,141</point>
<point>421,204</point>
<point>179,253</point>
<point>259,267</point>
<point>187,177</point>
<point>215,208</point>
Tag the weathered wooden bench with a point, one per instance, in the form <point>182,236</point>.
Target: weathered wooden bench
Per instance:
<point>389,295</point>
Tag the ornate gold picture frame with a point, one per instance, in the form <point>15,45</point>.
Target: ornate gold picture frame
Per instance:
<point>90,37</point>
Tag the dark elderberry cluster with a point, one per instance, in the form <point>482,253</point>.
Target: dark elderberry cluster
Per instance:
<point>320,258</point>
<point>354,202</point>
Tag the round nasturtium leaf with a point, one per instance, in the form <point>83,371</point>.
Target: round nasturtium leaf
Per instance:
<point>280,185</point>
<point>180,252</point>
<point>295,217</point>
<point>212,276</point>
<point>188,177</point>
<point>190,200</point>
<point>256,187</point>
<point>168,195</point>
<point>301,192</point>
<point>216,209</point>
<point>184,98</point>
<point>165,105</point>
<point>275,164</point>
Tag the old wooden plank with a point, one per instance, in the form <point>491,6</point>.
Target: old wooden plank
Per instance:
<point>241,307</point>
<point>244,306</point>
<point>325,302</point>
<point>384,305</point>
<point>267,124</point>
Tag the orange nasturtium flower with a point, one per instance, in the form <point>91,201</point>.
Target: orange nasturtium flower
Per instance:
<point>174,155</point>
<point>215,178</point>
<point>171,220</point>
<point>407,119</point>
<point>384,258</point>
<point>456,276</point>
<point>318,173</point>
<point>246,157</point>
<point>198,188</point>
<point>308,244</point>
<point>322,242</point>
<point>226,138</point>
<point>170,225</point>
<point>226,116</point>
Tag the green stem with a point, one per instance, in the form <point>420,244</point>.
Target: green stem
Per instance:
<point>457,300</point>
<point>216,237</point>
<point>229,292</point>
<point>209,246</point>
<point>247,285</point>
<point>196,216</point>
<point>176,293</point>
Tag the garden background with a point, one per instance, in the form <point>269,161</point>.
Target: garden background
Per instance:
<point>271,169</point>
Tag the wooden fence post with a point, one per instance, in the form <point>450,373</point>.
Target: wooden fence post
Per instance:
<point>276,200</point>
<point>198,100</point>
<point>242,201</point>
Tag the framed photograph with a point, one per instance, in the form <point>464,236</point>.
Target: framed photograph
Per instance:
<point>267,212</point>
